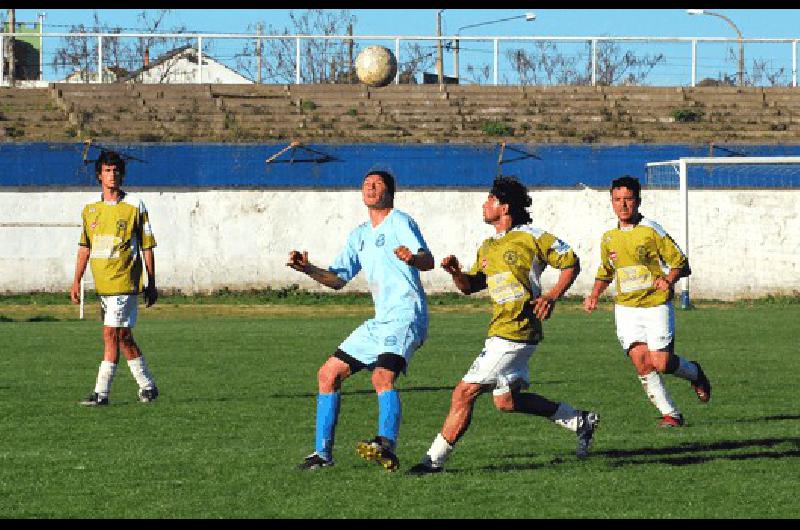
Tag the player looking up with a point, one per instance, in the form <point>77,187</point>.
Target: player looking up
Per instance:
<point>510,265</point>
<point>115,230</point>
<point>646,264</point>
<point>391,251</point>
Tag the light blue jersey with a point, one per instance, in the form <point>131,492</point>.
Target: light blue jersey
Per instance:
<point>401,309</point>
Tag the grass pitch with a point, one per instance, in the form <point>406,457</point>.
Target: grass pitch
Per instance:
<point>236,414</point>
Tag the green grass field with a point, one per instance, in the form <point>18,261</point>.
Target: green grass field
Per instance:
<point>236,414</point>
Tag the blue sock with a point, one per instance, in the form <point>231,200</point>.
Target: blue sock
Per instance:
<point>389,415</point>
<point>327,415</point>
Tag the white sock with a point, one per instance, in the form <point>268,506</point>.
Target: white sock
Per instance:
<point>686,370</point>
<point>141,372</point>
<point>566,416</point>
<point>439,451</point>
<point>654,388</point>
<point>105,376</point>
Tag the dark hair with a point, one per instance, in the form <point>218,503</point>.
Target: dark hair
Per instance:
<point>387,179</point>
<point>109,158</point>
<point>509,190</point>
<point>627,181</point>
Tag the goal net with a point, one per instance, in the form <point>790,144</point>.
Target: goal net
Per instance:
<point>718,173</point>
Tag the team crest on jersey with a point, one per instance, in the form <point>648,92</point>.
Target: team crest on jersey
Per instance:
<point>641,253</point>
<point>380,240</point>
<point>612,255</point>
<point>510,257</point>
<point>391,340</point>
<point>122,225</point>
<point>93,225</point>
<point>484,263</point>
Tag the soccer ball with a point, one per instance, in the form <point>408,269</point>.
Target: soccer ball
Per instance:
<point>376,66</point>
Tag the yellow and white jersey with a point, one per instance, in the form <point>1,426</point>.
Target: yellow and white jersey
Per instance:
<point>115,233</point>
<point>512,263</point>
<point>635,257</point>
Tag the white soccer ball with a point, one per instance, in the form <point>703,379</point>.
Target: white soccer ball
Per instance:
<point>376,66</point>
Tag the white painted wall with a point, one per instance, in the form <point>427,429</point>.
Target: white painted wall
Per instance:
<point>743,243</point>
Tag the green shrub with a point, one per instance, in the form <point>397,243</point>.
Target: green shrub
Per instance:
<point>308,105</point>
<point>496,128</point>
<point>686,115</point>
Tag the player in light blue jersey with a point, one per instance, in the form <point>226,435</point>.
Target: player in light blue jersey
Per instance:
<point>391,251</point>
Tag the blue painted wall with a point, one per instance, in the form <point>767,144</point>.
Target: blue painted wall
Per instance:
<point>343,166</point>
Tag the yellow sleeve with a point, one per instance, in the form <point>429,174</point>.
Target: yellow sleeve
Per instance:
<point>669,252</point>
<point>85,241</point>
<point>556,253</point>
<point>605,271</point>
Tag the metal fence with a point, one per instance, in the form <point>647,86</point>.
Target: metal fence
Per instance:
<point>492,60</point>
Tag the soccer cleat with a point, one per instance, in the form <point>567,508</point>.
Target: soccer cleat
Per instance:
<point>314,461</point>
<point>147,395</point>
<point>672,421</point>
<point>589,423</point>
<point>378,450</point>
<point>702,387</point>
<point>94,400</point>
<point>424,468</point>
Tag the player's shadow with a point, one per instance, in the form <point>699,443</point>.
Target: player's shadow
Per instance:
<point>369,392</point>
<point>700,453</point>
<point>777,417</point>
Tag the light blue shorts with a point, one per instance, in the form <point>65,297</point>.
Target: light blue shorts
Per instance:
<point>373,338</point>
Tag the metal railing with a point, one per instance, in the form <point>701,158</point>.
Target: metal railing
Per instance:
<point>691,48</point>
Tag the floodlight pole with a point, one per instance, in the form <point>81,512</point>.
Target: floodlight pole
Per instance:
<point>740,74</point>
<point>439,63</point>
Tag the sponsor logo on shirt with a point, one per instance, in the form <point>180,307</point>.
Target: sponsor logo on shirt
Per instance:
<point>381,239</point>
<point>391,340</point>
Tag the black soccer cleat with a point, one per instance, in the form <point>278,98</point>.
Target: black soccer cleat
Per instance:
<point>378,450</point>
<point>701,387</point>
<point>147,395</point>
<point>588,425</point>
<point>314,461</point>
<point>94,400</point>
<point>424,468</point>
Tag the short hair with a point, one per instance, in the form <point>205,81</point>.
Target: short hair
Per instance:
<point>386,177</point>
<point>627,181</point>
<point>509,190</point>
<point>109,158</point>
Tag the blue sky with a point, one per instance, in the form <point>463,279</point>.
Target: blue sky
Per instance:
<point>714,60</point>
<point>561,22</point>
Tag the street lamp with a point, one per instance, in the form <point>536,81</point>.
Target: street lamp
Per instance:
<point>739,33</point>
<point>529,17</point>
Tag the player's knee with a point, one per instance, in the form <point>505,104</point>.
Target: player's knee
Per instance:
<point>328,379</point>
<point>383,380</point>
<point>504,402</point>
<point>465,393</point>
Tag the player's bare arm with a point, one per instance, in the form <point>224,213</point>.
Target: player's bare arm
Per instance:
<point>423,260</point>
<point>665,283</point>
<point>544,305</point>
<point>299,262</point>
<point>590,302</point>
<point>465,283</point>
<point>80,268</point>
<point>150,291</point>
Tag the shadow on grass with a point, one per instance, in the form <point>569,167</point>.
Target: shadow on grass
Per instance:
<point>368,392</point>
<point>39,318</point>
<point>687,454</point>
<point>777,417</point>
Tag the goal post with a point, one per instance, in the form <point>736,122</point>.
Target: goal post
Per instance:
<point>722,173</point>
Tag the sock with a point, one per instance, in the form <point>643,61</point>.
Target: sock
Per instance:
<point>389,415</point>
<point>327,415</point>
<point>439,451</point>
<point>686,370</point>
<point>141,372</point>
<point>105,376</point>
<point>657,393</point>
<point>566,416</point>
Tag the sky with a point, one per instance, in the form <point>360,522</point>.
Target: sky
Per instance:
<point>713,60</point>
<point>762,23</point>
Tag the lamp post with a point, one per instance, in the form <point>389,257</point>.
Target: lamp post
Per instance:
<point>439,62</point>
<point>740,75</point>
<point>529,17</point>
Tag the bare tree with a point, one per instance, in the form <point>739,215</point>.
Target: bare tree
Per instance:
<point>763,74</point>
<point>417,59</point>
<point>547,64</point>
<point>79,53</point>
<point>321,60</point>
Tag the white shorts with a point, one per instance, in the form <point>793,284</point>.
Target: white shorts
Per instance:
<point>502,363</point>
<point>119,311</point>
<point>654,326</point>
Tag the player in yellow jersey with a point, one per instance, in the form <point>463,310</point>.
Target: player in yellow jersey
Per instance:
<point>646,263</point>
<point>510,265</point>
<point>115,230</point>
